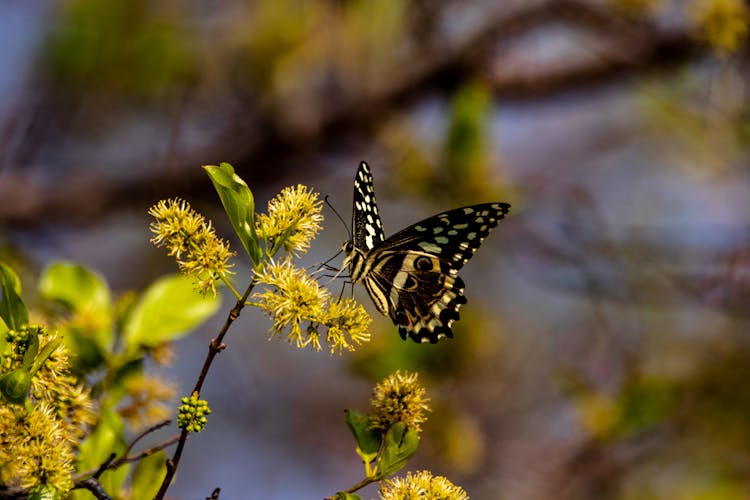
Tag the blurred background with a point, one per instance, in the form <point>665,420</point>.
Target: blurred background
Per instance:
<point>604,351</point>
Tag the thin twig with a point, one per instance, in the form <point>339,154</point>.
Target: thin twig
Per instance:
<point>95,488</point>
<point>112,464</point>
<point>354,488</point>
<point>214,347</point>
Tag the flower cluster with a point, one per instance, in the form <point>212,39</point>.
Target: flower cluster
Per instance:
<point>422,485</point>
<point>299,307</point>
<point>191,414</point>
<point>148,398</point>
<point>192,241</point>
<point>38,439</point>
<point>398,398</point>
<point>293,220</point>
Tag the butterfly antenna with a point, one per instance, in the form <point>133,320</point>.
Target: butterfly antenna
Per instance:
<point>348,231</point>
<point>325,265</point>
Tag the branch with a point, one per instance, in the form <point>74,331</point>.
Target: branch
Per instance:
<point>631,48</point>
<point>215,347</point>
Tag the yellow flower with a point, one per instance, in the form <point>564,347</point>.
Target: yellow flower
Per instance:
<point>423,486</point>
<point>149,400</point>
<point>38,439</point>
<point>187,236</point>
<point>299,307</point>
<point>398,398</point>
<point>346,318</point>
<point>293,220</point>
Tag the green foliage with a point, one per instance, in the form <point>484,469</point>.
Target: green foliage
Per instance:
<point>85,293</point>
<point>239,205</point>
<point>75,286</point>
<point>367,440</point>
<point>148,475</point>
<point>12,309</point>
<point>109,343</point>
<point>168,310</point>
<point>346,496</point>
<point>399,445</point>
<point>465,147</point>
<point>130,48</point>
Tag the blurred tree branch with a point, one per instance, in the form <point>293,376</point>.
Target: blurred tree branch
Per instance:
<point>255,137</point>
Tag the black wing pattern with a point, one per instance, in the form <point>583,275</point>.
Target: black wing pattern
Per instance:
<point>412,277</point>
<point>366,225</point>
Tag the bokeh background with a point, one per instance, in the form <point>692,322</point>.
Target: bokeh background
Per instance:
<point>604,352</point>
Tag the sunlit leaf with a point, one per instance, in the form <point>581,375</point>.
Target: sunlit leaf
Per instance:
<point>148,475</point>
<point>238,204</point>
<point>168,310</point>
<point>75,286</point>
<point>399,445</point>
<point>368,441</point>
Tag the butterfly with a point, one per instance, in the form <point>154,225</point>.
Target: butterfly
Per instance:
<point>412,276</point>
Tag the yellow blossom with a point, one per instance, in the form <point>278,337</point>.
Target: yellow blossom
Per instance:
<point>421,485</point>
<point>398,398</point>
<point>187,236</point>
<point>293,220</point>
<point>149,400</point>
<point>299,307</point>
<point>348,325</point>
<point>38,439</point>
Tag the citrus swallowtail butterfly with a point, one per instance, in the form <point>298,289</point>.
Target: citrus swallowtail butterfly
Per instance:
<point>412,277</point>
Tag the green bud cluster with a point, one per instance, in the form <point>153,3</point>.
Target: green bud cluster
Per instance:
<point>190,415</point>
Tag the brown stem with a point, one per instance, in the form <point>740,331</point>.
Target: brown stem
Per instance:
<point>214,347</point>
<point>354,488</point>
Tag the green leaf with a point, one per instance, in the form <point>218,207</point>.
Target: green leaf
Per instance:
<point>239,205</point>
<point>112,481</point>
<point>45,353</point>
<point>45,492</point>
<point>83,291</point>
<point>75,286</point>
<point>12,309</point>
<point>32,350</point>
<point>399,445</point>
<point>168,310</point>
<point>342,495</point>
<point>148,475</point>
<point>368,441</point>
<point>106,438</point>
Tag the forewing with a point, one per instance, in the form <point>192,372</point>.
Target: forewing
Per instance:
<point>453,236</point>
<point>366,225</point>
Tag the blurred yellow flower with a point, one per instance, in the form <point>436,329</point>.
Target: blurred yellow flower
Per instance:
<point>724,23</point>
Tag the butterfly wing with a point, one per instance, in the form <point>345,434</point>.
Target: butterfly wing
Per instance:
<point>366,225</point>
<point>413,275</point>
